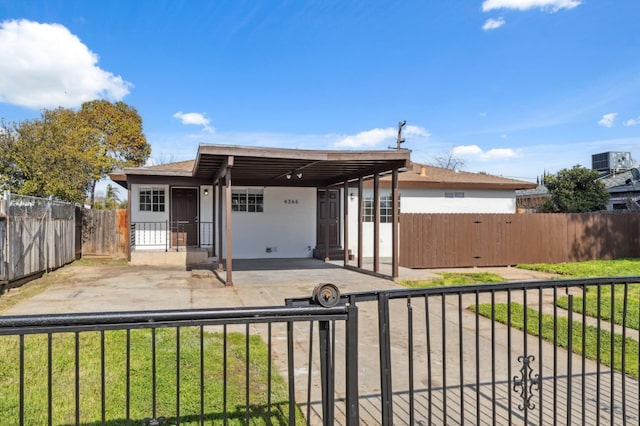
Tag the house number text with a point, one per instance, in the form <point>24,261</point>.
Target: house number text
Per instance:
<point>291,201</point>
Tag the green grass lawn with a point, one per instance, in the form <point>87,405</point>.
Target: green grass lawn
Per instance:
<point>141,390</point>
<point>453,279</point>
<point>591,334</point>
<point>592,268</point>
<point>601,268</point>
<point>632,317</point>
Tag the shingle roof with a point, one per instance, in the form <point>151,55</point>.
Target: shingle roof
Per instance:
<point>417,175</point>
<point>422,175</point>
<point>176,166</point>
<point>617,179</point>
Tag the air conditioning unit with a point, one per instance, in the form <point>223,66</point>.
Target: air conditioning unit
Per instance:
<point>610,162</point>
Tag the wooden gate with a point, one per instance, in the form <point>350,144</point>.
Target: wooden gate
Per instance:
<point>105,233</point>
<point>464,240</point>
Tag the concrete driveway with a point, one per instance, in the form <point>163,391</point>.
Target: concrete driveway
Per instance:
<point>118,287</point>
<point>95,288</point>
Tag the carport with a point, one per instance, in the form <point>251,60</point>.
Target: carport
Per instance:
<point>322,169</point>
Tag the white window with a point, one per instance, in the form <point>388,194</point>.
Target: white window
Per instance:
<point>152,199</point>
<point>454,194</point>
<point>247,200</point>
<point>386,209</point>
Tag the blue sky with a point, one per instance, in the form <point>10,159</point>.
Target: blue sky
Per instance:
<point>513,87</point>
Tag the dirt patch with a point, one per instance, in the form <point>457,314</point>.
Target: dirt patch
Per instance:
<point>78,271</point>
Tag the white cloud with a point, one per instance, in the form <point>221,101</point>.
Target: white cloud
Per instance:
<point>377,137</point>
<point>632,122</point>
<point>492,154</point>
<point>608,120</point>
<point>551,5</point>
<point>194,118</point>
<point>45,66</point>
<point>492,24</point>
<point>415,131</point>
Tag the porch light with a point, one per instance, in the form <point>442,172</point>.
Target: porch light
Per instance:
<point>206,192</point>
<point>288,175</point>
<point>352,196</point>
<point>299,175</point>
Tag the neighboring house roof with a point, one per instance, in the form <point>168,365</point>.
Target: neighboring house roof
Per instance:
<point>538,191</point>
<point>273,166</point>
<point>424,176</point>
<point>614,180</point>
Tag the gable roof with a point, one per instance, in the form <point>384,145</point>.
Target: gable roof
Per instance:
<point>425,176</point>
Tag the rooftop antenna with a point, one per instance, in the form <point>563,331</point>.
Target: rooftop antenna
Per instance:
<point>400,140</point>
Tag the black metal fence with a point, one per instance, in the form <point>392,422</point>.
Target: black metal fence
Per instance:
<point>163,367</point>
<point>448,355</point>
<point>459,355</point>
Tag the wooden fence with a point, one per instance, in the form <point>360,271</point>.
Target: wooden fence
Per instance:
<point>464,240</point>
<point>3,248</point>
<point>105,233</point>
<point>37,235</point>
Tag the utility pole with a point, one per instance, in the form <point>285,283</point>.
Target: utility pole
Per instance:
<point>400,140</point>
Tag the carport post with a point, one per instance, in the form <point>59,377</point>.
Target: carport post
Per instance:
<point>360,198</point>
<point>376,223</point>
<point>345,201</point>
<point>220,197</point>
<point>228,224</point>
<point>213,224</point>
<point>394,229</point>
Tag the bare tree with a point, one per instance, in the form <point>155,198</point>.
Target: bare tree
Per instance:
<point>164,158</point>
<point>448,160</point>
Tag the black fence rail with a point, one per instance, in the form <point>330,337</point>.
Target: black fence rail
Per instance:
<point>170,235</point>
<point>460,355</point>
<point>164,367</point>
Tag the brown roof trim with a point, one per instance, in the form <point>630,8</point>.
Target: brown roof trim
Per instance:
<point>301,154</point>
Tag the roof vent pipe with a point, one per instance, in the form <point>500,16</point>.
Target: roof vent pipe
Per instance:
<point>423,170</point>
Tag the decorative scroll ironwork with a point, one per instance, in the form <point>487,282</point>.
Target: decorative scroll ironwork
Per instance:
<point>524,385</point>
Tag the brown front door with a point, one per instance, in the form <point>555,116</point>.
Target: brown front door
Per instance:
<point>184,217</point>
<point>328,218</point>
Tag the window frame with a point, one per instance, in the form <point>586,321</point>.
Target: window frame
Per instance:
<point>385,208</point>
<point>247,200</point>
<point>454,194</point>
<point>152,199</point>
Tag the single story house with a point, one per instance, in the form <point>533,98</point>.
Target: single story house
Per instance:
<point>249,202</point>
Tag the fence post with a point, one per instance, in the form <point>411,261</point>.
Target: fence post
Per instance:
<point>326,373</point>
<point>291,374</point>
<point>7,222</point>
<point>384,343</point>
<point>351,351</point>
